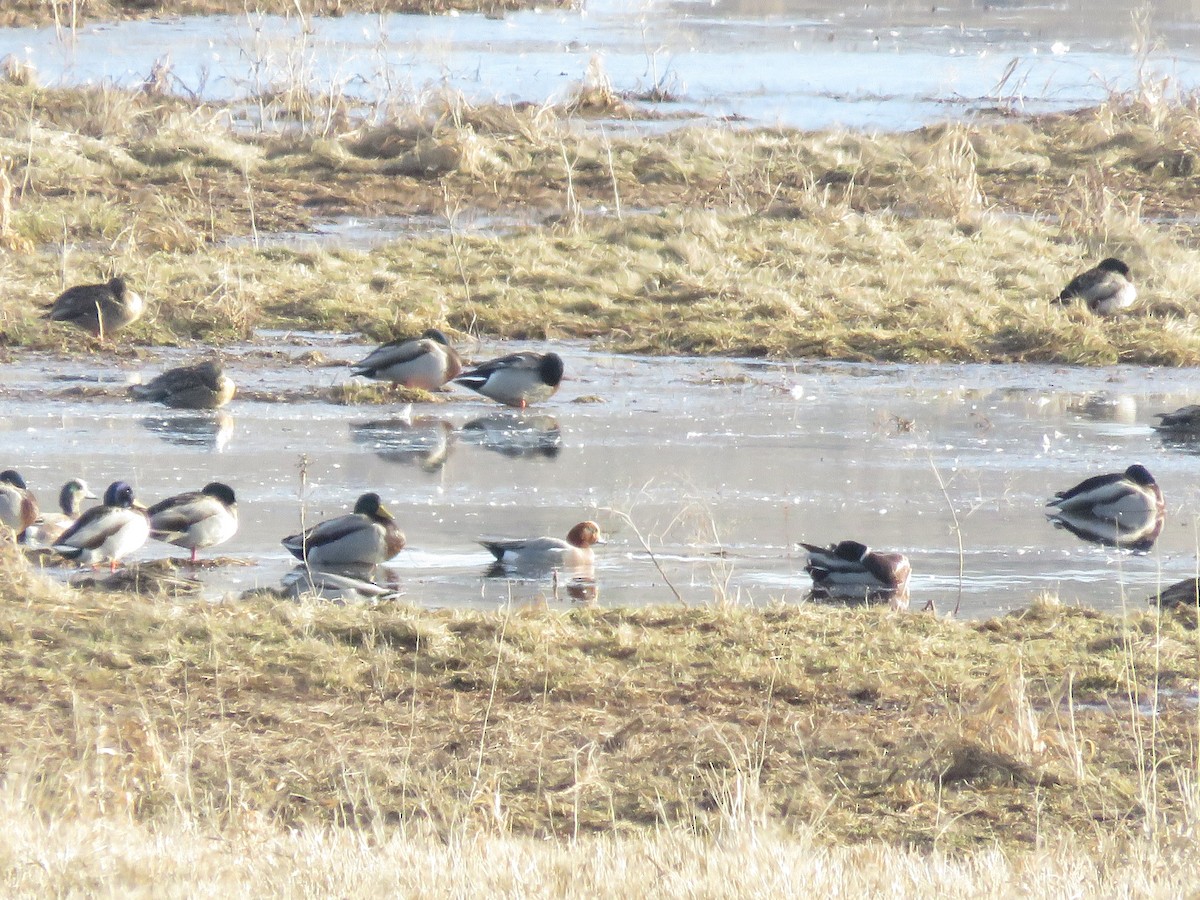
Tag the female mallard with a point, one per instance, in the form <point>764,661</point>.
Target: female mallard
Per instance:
<point>107,532</point>
<point>366,537</point>
<point>202,386</point>
<point>50,526</point>
<point>1128,497</point>
<point>548,552</point>
<point>427,362</point>
<point>196,520</point>
<point>1106,288</point>
<point>98,308</point>
<point>18,506</point>
<point>516,380</point>
<point>853,570</point>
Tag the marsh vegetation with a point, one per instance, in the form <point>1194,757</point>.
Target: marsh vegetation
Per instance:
<point>754,732</point>
<point>643,750</point>
<point>943,244</point>
<point>69,14</point>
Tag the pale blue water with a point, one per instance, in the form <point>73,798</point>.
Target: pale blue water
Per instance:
<point>721,465</point>
<point>800,63</point>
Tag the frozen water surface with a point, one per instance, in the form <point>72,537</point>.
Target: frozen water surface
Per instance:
<point>722,465</point>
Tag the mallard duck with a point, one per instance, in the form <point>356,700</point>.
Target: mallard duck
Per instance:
<point>18,506</point>
<point>1184,421</point>
<point>366,537</point>
<point>50,526</point>
<point>196,520</point>
<point>1128,498</point>
<point>427,362</point>
<point>516,380</point>
<point>98,308</point>
<point>1106,288</point>
<point>853,570</point>
<point>1181,593</point>
<point>201,386</point>
<point>547,552</point>
<point>107,532</point>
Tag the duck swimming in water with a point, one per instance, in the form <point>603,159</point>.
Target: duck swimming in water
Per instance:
<point>548,552</point>
<point>854,571</point>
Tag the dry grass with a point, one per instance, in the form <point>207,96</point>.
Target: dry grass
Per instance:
<point>942,244</point>
<point>1020,733</point>
<point>113,856</point>
<point>67,14</point>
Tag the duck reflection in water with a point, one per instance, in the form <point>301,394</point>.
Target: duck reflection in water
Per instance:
<point>1105,407</point>
<point>1135,535</point>
<point>340,584</point>
<point>516,435</point>
<point>212,430</point>
<point>570,585</point>
<point>425,441</point>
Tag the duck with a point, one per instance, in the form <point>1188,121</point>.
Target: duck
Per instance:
<point>1105,289</point>
<point>427,362</point>
<point>201,386</point>
<point>107,532</point>
<point>1127,498</point>
<point>853,570</point>
<point>196,520</point>
<point>548,552</point>
<point>48,527</point>
<point>1184,421</point>
<point>366,537</point>
<point>516,380</point>
<point>1181,593</point>
<point>100,309</point>
<point>18,506</point>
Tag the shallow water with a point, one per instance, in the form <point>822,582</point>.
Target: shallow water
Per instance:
<point>804,63</point>
<point>722,465</point>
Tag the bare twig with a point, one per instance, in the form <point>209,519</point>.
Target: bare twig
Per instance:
<point>957,532</point>
<point>625,517</point>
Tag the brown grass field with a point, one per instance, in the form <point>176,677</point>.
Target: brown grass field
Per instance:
<point>68,14</point>
<point>166,746</point>
<point>147,737</point>
<point>942,244</point>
